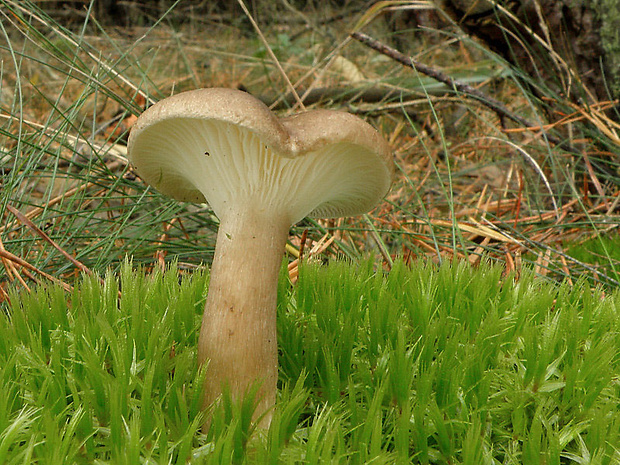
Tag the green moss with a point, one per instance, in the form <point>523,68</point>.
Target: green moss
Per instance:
<point>425,364</point>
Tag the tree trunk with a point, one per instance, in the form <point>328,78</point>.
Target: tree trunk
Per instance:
<point>572,45</point>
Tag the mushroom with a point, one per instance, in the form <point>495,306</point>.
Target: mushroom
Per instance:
<point>260,175</point>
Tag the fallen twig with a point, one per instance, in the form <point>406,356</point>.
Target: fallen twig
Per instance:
<point>11,271</point>
<point>498,107</point>
<point>37,210</point>
<point>15,259</point>
<point>26,222</point>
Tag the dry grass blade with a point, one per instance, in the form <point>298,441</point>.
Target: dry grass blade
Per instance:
<point>318,248</point>
<point>376,9</point>
<point>536,166</point>
<point>271,54</point>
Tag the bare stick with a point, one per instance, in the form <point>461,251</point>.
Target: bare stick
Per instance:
<point>11,271</point>
<point>25,221</point>
<point>15,259</point>
<point>495,105</point>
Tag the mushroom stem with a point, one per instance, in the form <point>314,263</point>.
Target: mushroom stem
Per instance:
<point>238,335</point>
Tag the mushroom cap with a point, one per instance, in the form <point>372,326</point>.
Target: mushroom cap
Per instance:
<point>226,148</point>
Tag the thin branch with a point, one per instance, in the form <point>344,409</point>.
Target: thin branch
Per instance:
<point>37,210</point>
<point>498,107</point>
<point>15,259</point>
<point>10,269</point>
<point>25,221</point>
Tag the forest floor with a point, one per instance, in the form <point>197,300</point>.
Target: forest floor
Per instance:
<point>470,182</point>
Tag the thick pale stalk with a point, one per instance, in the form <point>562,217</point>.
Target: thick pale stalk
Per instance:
<point>238,335</point>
